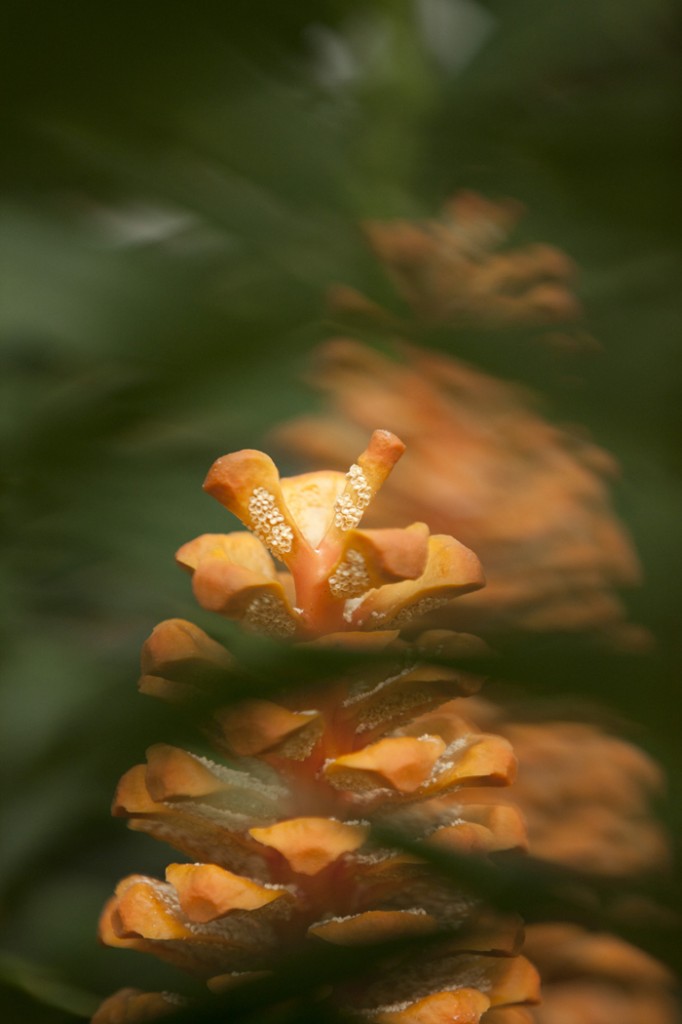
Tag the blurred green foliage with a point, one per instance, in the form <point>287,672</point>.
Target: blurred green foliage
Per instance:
<point>179,185</point>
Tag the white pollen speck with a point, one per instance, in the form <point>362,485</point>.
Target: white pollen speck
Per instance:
<point>350,607</point>
<point>350,579</point>
<point>268,523</point>
<point>416,610</point>
<point>349,506</point>
<point>267,614</point>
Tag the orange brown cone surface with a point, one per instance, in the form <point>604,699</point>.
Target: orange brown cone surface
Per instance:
<point>452,271</point>
<point>532,499</point>
<point>280,835</point>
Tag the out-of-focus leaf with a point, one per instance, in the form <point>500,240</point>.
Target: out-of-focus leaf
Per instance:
<point>45,986</point>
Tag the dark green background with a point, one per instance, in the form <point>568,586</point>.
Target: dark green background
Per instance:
<point>179,184</point>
